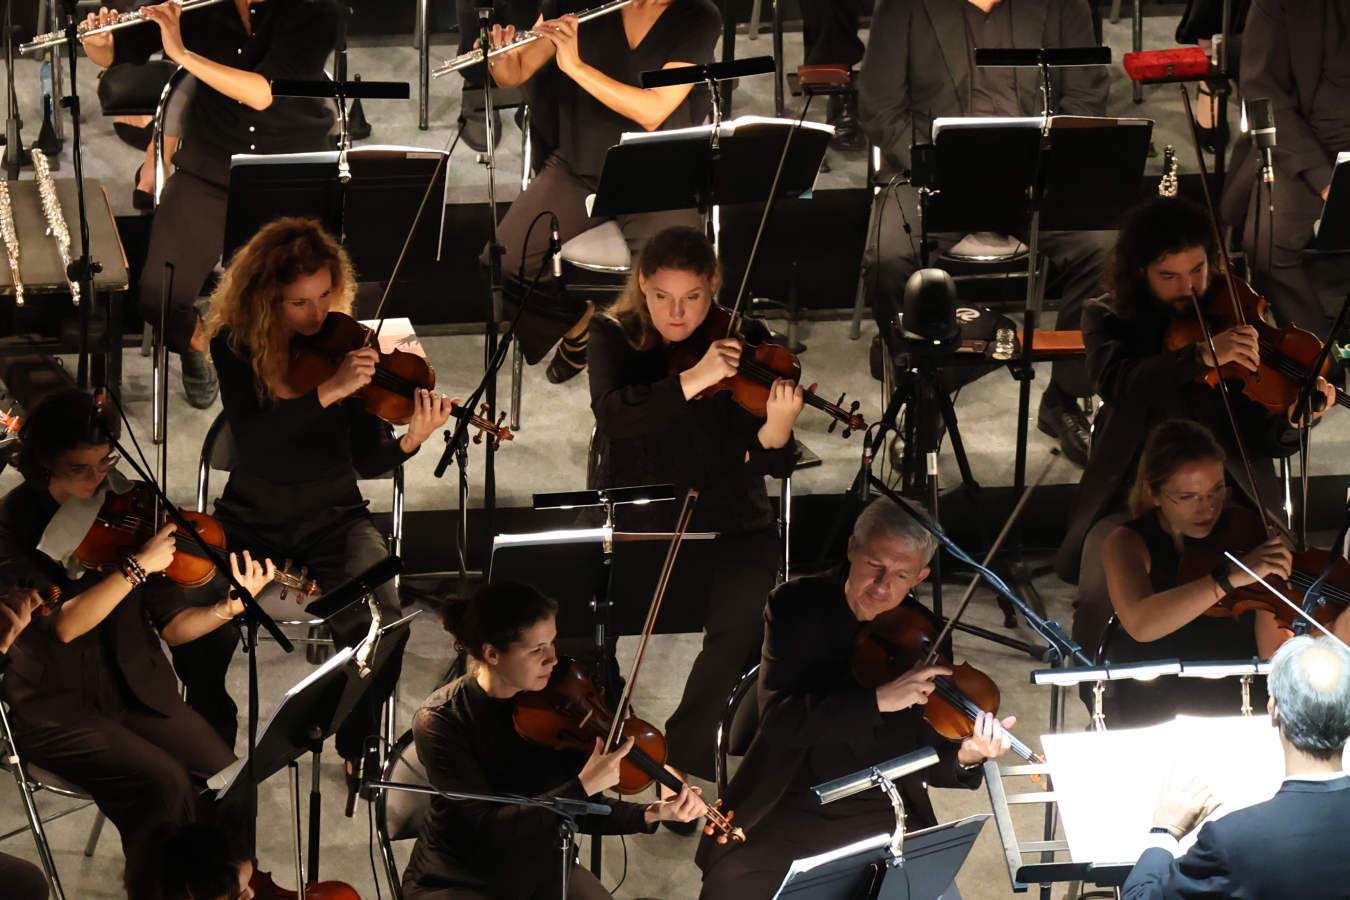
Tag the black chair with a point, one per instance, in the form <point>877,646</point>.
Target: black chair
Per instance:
<point>740,721</point>
<point>399,814</point>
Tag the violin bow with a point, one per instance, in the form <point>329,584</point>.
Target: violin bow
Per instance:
<point>672,550</point>
<point>1226,263</point>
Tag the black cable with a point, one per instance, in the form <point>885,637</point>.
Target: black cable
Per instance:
<point>520,270</point>
<point>623,873</point>
<point>370,846</point>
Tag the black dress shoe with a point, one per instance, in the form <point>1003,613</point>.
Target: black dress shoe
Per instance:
<point>843,115</point>
<point>1061,418</point>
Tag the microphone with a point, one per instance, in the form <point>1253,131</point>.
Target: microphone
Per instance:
<point>1263,135</point>
<point>862,487</point>
<point>555,247</point>
<point>97,434</point>
<point>369,768</point>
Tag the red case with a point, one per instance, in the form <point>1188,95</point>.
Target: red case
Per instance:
<point>1183,62</point>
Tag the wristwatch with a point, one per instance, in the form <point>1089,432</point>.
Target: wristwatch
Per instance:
<point>1220,576</point>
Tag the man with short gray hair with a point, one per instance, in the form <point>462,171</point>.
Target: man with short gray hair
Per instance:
<point>1292,845</point>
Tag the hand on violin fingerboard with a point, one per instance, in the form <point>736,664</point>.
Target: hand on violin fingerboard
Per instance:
<point>686,806</point>
<point>989,739</point>
<point>780,413</point>
<point>252,574</point>
<point>430,412</point>
<point>1329,395</point>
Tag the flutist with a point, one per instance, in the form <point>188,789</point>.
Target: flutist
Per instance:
<point>582,86</point>
<point>234,50</point>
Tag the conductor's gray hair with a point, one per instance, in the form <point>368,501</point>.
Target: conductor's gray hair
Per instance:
<point>1310,681</point>
<point>883,517</point>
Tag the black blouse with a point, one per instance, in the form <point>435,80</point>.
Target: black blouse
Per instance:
<point>294,458</point>
<point>685,32</point>
<point>647,433</point>
<point>466,741</point>
<point>290,39</point>
<point>117,663</point>
<point>1203,638</point>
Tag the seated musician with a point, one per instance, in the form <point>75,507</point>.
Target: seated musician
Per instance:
<point>652,428</point>
<point>234,51</point>
<point>1178,506</point>
<point>1292,845</point>
<point>818,723</point>
<point>91,695</point>
<point>582,85</point>
<point>919,65</point>
<point>475,850</point>
<point>1166,249</point>
<point>292,491</point>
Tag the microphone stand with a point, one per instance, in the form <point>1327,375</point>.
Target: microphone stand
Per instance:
<point>16,157</point>
<point>1306,393</point>
<point>82,269</point>
<point>495,309</point>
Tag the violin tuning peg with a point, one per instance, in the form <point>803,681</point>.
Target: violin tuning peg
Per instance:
<point>721,839</point>
<point>848,432</point>
<point>840,401</point>
<point>830,430</point>
<point>478,438</point>
<point>812,388</point>
<point>853,407</point>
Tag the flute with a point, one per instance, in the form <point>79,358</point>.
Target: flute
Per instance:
<point>83,30</point>
<point>521,39</point>
<point>56,219</point>
<point>11,236</point>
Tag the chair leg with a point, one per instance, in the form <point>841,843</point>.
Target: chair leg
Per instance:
<point>517,375</point>
<point>30,809</point>
<point>94,832</point>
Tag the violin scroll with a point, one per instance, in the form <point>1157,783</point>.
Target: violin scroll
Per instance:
<point>721,825</point>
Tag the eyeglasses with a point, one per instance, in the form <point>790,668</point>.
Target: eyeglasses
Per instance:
<point>82,471</point>
<point>1198,501</point>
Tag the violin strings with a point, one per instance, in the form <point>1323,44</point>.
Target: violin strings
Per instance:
<point>764,376</point>
<point>949,692</point>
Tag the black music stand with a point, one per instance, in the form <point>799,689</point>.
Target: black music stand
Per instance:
<point>695,174</point>
<point>866,869</point>
<point>307,715</point>
<point>1333,230</point>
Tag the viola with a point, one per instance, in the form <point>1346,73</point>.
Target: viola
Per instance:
<point>264,888</point>
<point>1241,530</point>
<point>126,521</point>
<point>901,638</point>
<point>1287,353</point>
<point>761,364</point>
<point>569,714</point>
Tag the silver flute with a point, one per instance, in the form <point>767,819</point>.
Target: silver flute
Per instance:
<point>521,39</point>
<point>56,219</point>
<point>11,236</point>
<point>83,30</point>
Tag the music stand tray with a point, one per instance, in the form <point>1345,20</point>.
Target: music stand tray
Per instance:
<point>972,195</point>
<point>1333,228</point>
<point>927,867</point>
<point>691,177</point>
<point>566,564</point>
<point>309,712</point>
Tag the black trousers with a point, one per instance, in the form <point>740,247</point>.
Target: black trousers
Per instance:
<point>143,769</point>
<point>22,879</point>
<point>560,190</point>
<point>745,567</point>
<point>892,255</point>
<point>830,32</point>
<point>581,885</point>
<point>188,232</point>
<point>332,559</point>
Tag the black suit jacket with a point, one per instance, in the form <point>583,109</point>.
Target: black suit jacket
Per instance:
<point>809,699</point>
<point>1291,846</point>
<point>917,67</point>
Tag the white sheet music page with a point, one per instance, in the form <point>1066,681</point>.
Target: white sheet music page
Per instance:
<point>1107,783</point>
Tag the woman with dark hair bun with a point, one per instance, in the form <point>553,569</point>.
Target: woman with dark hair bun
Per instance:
<point>651,427</point>
<point>91,695</point>
<point>472,850</point>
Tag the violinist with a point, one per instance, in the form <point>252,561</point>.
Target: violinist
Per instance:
<point>91,695</point>
<point>582,83</point>
<point>292,491</point>
<point>475,850</point>
<point>817,722</point>
<point>1178,506</point>
<point>650,428</point>
<point>1165,251</point>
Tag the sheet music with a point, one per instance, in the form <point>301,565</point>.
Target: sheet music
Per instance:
<point>728,128</point>
<point>1107,783</point>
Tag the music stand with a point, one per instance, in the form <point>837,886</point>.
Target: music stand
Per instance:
<point>866,869</point>
<point>1333,229</point>
<point>695,174</point>
<point>308,713</point>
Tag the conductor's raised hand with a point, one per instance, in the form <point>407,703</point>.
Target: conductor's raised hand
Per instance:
<point>910,689</point>
<point>1183,804</point>
<point>989,738</point>
<point>601,771</point>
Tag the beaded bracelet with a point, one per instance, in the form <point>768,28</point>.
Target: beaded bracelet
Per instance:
<point>133,572</point>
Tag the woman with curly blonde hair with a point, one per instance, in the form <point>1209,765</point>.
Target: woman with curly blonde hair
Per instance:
<point>297,456</point>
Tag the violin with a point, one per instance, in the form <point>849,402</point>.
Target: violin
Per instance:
<point>50,597</point>
<point>264,888</point>
<point>1287,353</point>
<point>1241,530</point>
<point>126,521</point>
<point>569,714</point>
<point>398,375</point>
<point>761,364</point>
<point>900,638</point>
